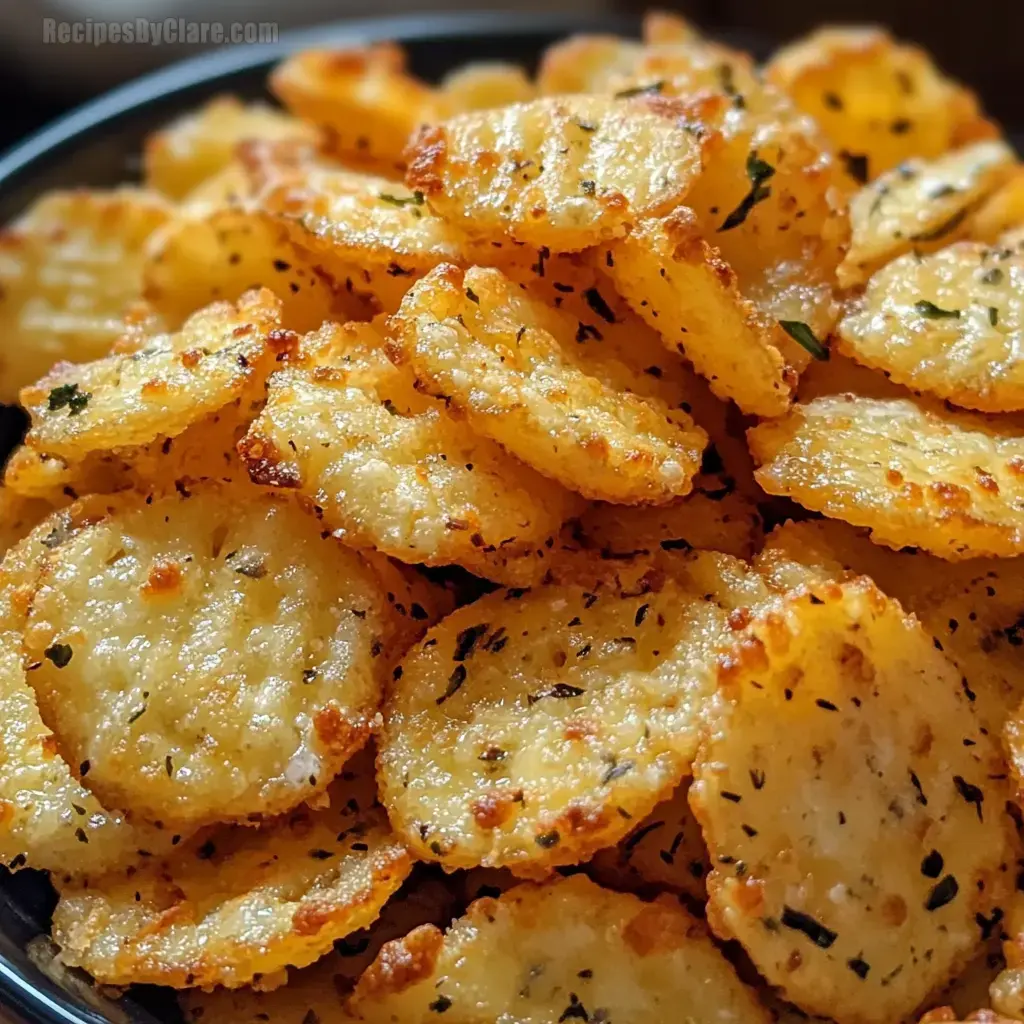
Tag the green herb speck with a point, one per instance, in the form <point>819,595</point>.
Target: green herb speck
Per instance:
<point>805,337</point>
<point>758,171</point>
<point>933,312</point>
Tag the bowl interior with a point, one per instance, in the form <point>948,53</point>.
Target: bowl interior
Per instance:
<point>99,146</point>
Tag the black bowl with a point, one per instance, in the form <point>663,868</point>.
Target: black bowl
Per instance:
<point>98,145</point>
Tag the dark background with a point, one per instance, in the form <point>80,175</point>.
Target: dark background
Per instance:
<point>979,43</point>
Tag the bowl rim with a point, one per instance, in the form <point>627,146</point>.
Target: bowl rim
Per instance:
<point>204,69</point>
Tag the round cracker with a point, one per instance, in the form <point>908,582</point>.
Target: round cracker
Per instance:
<point>363,98</point>
<point>197,146</point>
<point>484,85</point>
<point>315,993</point>
<point>713,518</point>
<point>665,851</point>
<point>163,385</point>
<point>238,902</point>
<point>565,951</point>
<point>518,170</point>
<point>372,222</point>
<point>203,451</point>
<point>48,818</point>
<point>971,609</point>
<point>210,654</point>
<point>852,805</point>
<point>69,268</point>
<point>530,729</point>
<point>876,98</point>
<point>912,472</point>
<point>921,206</point>
<point>1002,211</point>
<point>495,356</point>
<point>683,289</point>
<point>839,375</point>
<point>951,323</point>
<point>385,467</point>
<point>614,345</point>
<point>222,253</point>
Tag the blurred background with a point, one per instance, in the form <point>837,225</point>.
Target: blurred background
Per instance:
<point>40,79</point>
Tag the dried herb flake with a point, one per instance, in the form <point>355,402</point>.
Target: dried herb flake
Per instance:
<point>59,654</point>
<point>942,893</point>
<point>652,88</point>
<point>933,312</point>
<point>758,171</point>
<point>416,199</point>
<point>814,930</point>
<point>455,680</point>
<point>805,337</point>
<point>68,395</point>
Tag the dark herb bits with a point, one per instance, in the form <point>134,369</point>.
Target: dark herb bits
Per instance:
<point>759,172</point>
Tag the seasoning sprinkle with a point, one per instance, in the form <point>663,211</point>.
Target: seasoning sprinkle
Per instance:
<point>641,90</point>
<point>595,300</point>
<point>252,566</point>
<point>988,924</point>
<point>931,866</point>
<point>616,771</point>
<point>856,166</point>
<point>68,395</point>
<point>859,967</point>
<point>467,640</point>
<point>416,199</point>
<point>59,654</point>
<point>559,690</point>
<point>455,680</point>
<point>933,312</point>
<point>972,794</point>
<point>574,1011</point>
<point>814,930</point>
<point>639,835</point>
<point>942,893</point>
<point>805,338</point>
<point>916,783</point>
<point>758,171</point>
